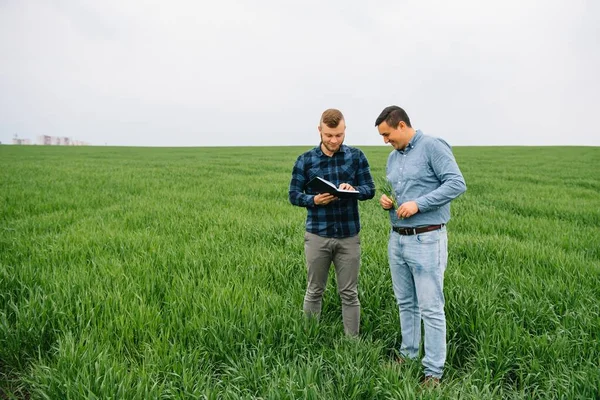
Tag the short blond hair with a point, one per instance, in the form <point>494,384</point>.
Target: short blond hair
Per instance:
<point>332,117</point>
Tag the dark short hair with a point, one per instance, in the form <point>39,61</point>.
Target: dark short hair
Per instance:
<point>392,115</point>
<point>332,117</point>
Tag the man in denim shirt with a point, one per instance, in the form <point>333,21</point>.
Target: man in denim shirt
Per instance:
<point>332,224</point>
<point>425,178</point>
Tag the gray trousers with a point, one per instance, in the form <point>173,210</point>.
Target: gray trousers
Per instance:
<point>345,254</point>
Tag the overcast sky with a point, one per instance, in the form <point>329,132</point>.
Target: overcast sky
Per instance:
<point>260,72</point>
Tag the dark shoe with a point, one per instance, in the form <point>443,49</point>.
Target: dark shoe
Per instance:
<point>431,381</point>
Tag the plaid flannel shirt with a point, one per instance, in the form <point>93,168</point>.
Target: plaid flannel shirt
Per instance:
<point>340,218</point>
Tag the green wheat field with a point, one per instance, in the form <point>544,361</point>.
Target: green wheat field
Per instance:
<point>171,273</point>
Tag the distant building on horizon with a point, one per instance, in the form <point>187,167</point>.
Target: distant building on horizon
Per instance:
<point>17,140</point>
<point>46,140</point>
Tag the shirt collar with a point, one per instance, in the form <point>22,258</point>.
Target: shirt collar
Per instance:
<point>320,151</point>
<point>413,141</point>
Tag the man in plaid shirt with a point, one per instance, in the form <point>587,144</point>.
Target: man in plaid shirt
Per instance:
<point>332,224</point>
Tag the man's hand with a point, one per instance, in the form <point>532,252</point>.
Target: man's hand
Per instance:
<point>323,199</point>
<point>346,186</point>
<point>386,202</point>
<point>407,209</point>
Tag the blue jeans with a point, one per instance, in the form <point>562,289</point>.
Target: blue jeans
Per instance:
<point>417,264</point>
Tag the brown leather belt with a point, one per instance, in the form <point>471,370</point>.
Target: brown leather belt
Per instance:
<point>415,231</point>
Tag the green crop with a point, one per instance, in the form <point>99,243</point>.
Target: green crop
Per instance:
<point>146,273</point>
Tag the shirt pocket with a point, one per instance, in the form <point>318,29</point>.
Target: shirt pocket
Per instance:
<point>348,173</point>
<point>310,174</point>
<point>416,171</point>
<point>313,173</point>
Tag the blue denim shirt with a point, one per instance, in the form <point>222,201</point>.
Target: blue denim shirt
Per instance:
<point>425,172</point>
